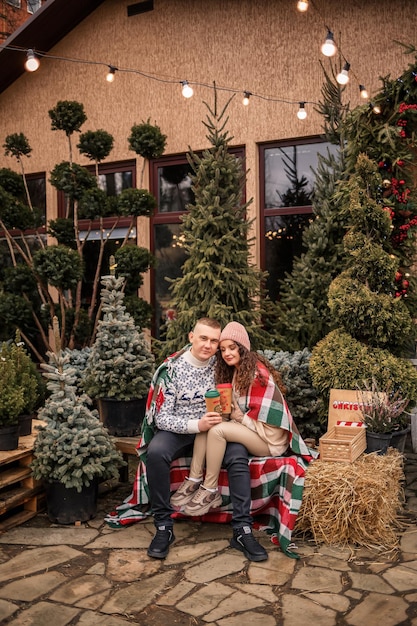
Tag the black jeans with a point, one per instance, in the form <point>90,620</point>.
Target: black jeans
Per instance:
<point>165,447</point>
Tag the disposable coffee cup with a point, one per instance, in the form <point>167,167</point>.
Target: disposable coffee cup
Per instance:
<point>225,390</point>
<point>212,399</point>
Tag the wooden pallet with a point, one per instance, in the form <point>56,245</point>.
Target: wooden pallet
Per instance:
<point>21,496</point>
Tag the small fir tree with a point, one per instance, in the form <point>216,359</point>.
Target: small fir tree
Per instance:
<point>120,364</point>
<point>372,325</point>
<point>218,278</point>
<point>73,447</point>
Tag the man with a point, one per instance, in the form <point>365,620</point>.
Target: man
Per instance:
<point>176,412</point>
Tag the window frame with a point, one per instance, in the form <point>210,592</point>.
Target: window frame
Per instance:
<point>174,217</point>
<point>277,211</point>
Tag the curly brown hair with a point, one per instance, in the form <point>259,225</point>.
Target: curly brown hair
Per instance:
<point>248,368</point>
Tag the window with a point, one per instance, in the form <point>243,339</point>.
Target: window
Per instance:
<point>14,3</point>
<point>286,197</point>
<point>33,5</point>
<point>37,193</point>
<point>170,183</point>
<point>113,179</point>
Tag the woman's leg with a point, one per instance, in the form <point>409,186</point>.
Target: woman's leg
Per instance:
<point>199,456</point>
<point>217,439</point>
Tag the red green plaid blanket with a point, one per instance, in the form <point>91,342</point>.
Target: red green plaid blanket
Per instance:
<point>277,488</point>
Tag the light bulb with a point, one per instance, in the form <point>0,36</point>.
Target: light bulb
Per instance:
<point>364,93</point>
<point>32,62</point>
<point>110,74</point>
<point>375,108</point>
<point>329,47</point>
<point>302,113</point>
<point>343,76</point>
<point>302,5</point>
<point>187,90</point>
<point>247,95</point>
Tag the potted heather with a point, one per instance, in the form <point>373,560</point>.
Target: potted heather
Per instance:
<point>384,415</point>
<point>120,364</point>
<point>72,451</point>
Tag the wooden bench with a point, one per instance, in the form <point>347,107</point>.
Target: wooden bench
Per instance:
<point>127,446</point>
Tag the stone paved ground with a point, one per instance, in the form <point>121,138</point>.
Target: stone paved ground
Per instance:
<point>93,575</point>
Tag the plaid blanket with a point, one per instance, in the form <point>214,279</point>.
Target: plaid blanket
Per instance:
<point>277,487</point>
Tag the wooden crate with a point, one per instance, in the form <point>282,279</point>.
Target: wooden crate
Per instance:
<point>342,443</point>
<point>21,496</point>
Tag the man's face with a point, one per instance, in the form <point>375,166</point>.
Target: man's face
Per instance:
<point>205,341</point>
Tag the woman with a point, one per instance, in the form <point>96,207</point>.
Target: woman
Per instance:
<point>260,420</point>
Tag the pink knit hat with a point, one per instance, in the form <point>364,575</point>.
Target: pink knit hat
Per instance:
<point>236,332</point>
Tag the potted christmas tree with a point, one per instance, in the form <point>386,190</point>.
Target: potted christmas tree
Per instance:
<point>120,364</point>
<point>72,451</point>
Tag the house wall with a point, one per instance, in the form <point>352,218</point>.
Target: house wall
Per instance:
<point>265,47</point>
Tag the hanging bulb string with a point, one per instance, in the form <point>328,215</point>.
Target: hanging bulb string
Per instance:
<point>156,77</point>
<point>170,80</point>
<point>314,5</point>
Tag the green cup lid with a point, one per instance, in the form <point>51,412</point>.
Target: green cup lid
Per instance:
<point>212,393</point>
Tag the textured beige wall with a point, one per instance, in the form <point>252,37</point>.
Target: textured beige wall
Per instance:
<point>264,46</point>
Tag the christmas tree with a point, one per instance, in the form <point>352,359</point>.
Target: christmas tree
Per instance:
<point>372,325</point>
<point>218,278</point>
<point>73,447</point>
<point>120,363</point>
<point>385,130</point>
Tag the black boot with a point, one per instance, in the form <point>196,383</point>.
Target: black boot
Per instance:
<point>244,541</point>
<point>159,546</point>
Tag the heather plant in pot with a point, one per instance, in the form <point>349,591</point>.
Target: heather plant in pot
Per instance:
<point>384,415</point>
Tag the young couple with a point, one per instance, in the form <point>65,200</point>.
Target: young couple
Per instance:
<point>260,424</point>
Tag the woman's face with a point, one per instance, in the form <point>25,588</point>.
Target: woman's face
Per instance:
<point>230,352</point>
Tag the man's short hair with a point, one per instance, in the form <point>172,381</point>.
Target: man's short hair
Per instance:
<point>208,321</point>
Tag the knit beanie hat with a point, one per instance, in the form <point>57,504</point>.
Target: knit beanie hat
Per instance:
<point>236,332</point>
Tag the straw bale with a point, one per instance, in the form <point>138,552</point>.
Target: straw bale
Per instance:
<point>354,503</point>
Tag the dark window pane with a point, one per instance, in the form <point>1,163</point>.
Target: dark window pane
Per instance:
<point>283,242</point>
<point>37,193</point>
<point>91,255</point>
<point>170,257</point>
<point>174,188</point>
<point>289,176</point>
<point>115,182</point>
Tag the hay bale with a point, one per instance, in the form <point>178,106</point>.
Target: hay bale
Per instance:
<point>356,503</point>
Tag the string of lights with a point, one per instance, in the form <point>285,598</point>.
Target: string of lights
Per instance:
<point>329,48</point>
